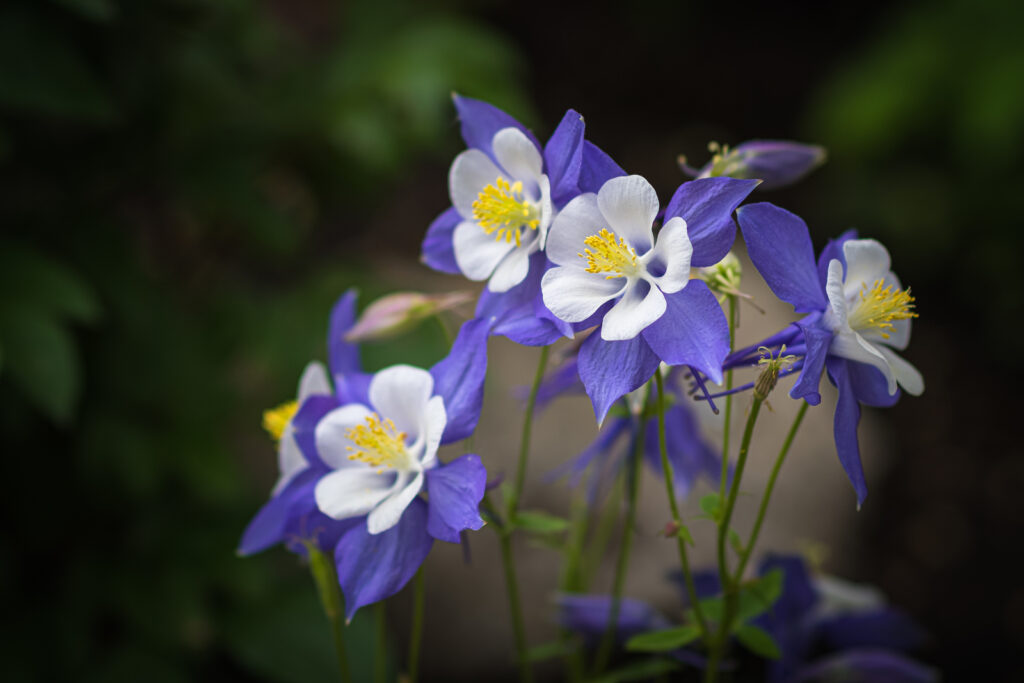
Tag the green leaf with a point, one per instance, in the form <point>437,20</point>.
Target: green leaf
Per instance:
<point>684,533</point>
<point>758,641</point>
<point>44,283</point>
<point>540,522</point>
<point>667,639</point>
<point>735,542</point>
<point>711,505</point>
<point>639,671</point>
<point>757,596</point>
<point>556,648</point>
<point>40,357</point>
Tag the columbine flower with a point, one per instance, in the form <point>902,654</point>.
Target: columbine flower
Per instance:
<point>613,272</point>
<point>859,316</point>
<point>776,162</point>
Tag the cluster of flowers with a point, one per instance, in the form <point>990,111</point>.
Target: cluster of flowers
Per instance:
<point>571,246</point>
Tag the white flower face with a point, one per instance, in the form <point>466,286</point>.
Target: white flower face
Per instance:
<point>506,209</point>
<point>605,250</point>
<point>870,313</point>
<point>380,455</point>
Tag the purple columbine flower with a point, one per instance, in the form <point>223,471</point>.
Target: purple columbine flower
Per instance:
<point>858,317</point>
<point>614,272</point>
<point>777,163</point>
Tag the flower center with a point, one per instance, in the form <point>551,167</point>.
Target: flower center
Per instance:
<point>877,308</point>
<point>606,253</point>
<point>502,208</point>
<point>276,419</point>
<point>378,443</point>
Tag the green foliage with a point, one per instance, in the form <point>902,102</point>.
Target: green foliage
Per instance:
<point>538,522</point>
<point>664,640</point>
<point>643,670</point>
<point>710,504</point>
<point>758,641</point>
<point>755,598</point>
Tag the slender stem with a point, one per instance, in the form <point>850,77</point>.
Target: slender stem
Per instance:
<point>524,443</point>
<point>604,652</point>
<point>748,550</point>
<point>326,578</point>
<point>666,467</point>
<point>602,534</point>
<point>723,570</point>
<point>380,650</point>
<point>512,588</point>
<point>416,634</point>
<point>720,642</point>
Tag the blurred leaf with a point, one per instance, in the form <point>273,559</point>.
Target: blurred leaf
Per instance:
<point>42,72</point>
<point>97,10</point>
<point>556,648</point>
<point>639,671</point>
<point>41,281</point>
<point>540,522</point>
<point>710,504</point>
<point>758,641</point>
<point>41,359</point>
<point>664,640</point>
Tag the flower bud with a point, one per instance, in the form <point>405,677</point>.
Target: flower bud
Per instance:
<point>396,313</point>
<point>776,163</point>
<point>723,278</point>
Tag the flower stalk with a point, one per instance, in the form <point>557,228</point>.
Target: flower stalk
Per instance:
<point>327,587</point>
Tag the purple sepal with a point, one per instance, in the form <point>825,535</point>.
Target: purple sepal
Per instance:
<point>779,244</point>
<point>707,205</point>
<point>342,357</point>
<point>693,331</point>
<point>817,341</point>
<point>690,455</point>
<point>353,388</point>
<point>563,158</point>
<point>304,425</point>
<point>847,418</point>
<point>600,457</point>
<point>798,595</point>
<point>480,121</point>
<point>888,628</point>
<point>868,666</point>
<point>374,567</point>
<point>588,615</point>
<point>520,314</point>
<point>870,386</point>
<point>455,490</point>
<point>598,168</point>
<point>611,369</point>
<point>833,250</point>
<point>459,379</point>
<point>438,251</point>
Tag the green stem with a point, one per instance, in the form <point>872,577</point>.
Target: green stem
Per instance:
<point>720,642</point>
<point>604,652</point>
<point>572,582</point>
<point>326,578</point>
<point>380,651</point>
<point>524,442</point>
<point>512,588</point>
<point>666,468</point>
<point>416,634</point>
<point>748,550</point>
<point>723,570</point>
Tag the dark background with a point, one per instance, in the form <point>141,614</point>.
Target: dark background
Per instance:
<point>185,187</point>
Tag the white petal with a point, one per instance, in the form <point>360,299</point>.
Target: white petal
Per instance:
<point>547,209</point>
<point>517,155</point>
<point>352,492</point>
<point>470,173</point>
<point>852,346</point>
<point>434,422</point>
<point>332,434</point>
<point>634,311</point>
<point>477,253</point>
<point>906,374</point>
<point>512,270</point>
<point>400,393</point>
<point>314,382</point>
<point>866,261</point>
<point>578,220</point>
<point>836,295</point>
<point>390,510</point>
<point>290,460</point>
<point>673,251</point>
<point>630,205</point>
<point>573,294</point>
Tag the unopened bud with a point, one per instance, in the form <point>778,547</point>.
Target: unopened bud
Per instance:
<point>396,313</point>
<point>775,162</point>
<point>723,278</point>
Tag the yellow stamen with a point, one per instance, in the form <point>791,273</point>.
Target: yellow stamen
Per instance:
<point>607,254</point>
<point>276,419</point>
<point>879,306</point>
<point>500,207</point>
<point>378,443</point>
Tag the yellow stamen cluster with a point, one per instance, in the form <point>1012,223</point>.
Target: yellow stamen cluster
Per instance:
<point>501,208</point>
<point>879,306</point>
<point>378,443</point>
<point>276,419</point>
<point>607,254</point>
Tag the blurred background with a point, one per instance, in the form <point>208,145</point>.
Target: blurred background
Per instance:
<point>186,187</point>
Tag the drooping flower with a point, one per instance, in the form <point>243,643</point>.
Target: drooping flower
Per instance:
<point>777,163</point>
<point>612,271</point>
<point>858,317</point>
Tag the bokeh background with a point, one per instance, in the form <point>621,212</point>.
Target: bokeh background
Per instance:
<point>185,187</point>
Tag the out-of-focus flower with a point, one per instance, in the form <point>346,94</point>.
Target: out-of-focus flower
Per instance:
<point>396,313</point>
<point>775,162</point>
